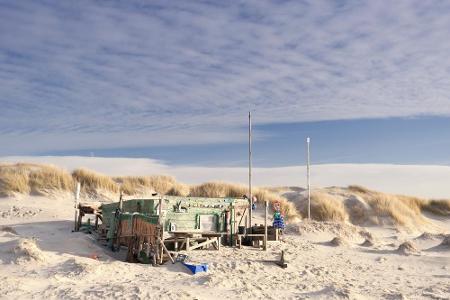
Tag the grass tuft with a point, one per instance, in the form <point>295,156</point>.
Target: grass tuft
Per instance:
<point>92,181</point>
<point>358,188</point>
<point>33,178</point>
<point>438,207</point>
<point>13,179</point>
<point>49,178</point>
<point>324,207</point>
<point>162,184</point>
<point>217,189</point>
<point>397,209</point>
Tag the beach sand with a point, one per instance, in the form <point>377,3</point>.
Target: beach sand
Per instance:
<point>41,257</point>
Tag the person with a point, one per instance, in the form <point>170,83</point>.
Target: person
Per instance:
<point>254,202</point>
<point>278,218</point>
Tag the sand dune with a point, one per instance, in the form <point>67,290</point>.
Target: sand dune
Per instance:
<point>363,207</point>
<point>418,180</point>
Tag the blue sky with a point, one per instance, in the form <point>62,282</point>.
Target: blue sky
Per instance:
<point>367,80</point>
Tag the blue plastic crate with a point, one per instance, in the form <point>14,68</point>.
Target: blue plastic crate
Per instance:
<point>196,268</point>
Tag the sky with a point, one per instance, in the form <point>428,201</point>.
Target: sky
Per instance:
<point>174,80</point>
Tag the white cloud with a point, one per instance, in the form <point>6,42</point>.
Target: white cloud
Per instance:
<point>87,69</point>
<point>416,180</point>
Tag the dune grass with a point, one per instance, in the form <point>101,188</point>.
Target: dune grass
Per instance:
<point>223,189</point>
<point>404,210</point>
<point>41,179</point>
<point>358,188</point>
<point>361,206</point>
<point>437,207</point>
<point>217,189</point>
<point>324,207</point>
<point>162,184</point>
<point>13,179</point>
<point>179,189</point>
<point>92,182</point>
<point>33,178</point>
<point>401,209</point>
<point>48,178</point>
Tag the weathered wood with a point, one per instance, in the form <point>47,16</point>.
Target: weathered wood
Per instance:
<point>212,234</point>
<point>205,243</point>
<point>80,218</point>
<point>253,234</point>
<point>182,244</point>
<point>167,251</point>
<point>281,262</point>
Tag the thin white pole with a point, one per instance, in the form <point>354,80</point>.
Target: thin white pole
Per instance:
<point>266,204</point>
<point>250,169</point>
<point>308,177</point>
<point>77,197</point>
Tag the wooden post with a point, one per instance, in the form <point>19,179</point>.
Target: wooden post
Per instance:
<point>160,210</point>
<point>77,197</point>
<point>265,225</point>
<point>121,200</point>
<point>161,224</point>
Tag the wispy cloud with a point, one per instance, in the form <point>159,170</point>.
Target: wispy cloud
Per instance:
<point>110,72</point>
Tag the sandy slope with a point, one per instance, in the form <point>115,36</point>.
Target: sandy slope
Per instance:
<point>316,268</point>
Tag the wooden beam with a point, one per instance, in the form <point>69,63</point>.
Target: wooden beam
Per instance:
<point>167,251</point>
<point>207,242</point>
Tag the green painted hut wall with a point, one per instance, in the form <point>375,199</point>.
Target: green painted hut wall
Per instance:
<point>184,212</point>
<point>144,206</point>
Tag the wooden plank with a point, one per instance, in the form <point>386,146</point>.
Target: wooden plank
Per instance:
<point>252,234</point>
<point>208,242</point>
<point>212,234</point>
<point>182,244</point>
<point>167,251</point>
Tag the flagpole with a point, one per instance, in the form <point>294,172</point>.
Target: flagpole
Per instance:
<point>250,168</point>
<point>308,177</point>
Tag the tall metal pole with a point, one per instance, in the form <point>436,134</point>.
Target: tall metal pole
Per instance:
<point>77,198</point>
<point>266,204</point>
<point>308,177</point>
<point>250,169</point>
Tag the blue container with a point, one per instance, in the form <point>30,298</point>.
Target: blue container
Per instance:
<point>196,268</point>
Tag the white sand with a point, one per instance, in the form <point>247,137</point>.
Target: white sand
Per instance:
<point>316,269</point>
